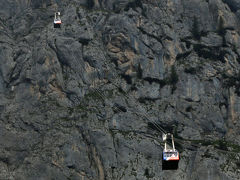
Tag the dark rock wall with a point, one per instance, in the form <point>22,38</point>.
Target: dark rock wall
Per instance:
<point>81,102</point>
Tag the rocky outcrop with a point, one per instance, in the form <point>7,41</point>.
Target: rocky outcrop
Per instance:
<point>86,101</point>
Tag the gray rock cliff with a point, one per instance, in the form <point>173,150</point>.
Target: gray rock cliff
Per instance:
<point>81,102</point>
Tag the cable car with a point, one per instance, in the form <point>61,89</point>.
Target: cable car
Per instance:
<point>57,20</point>
<point>170,155</point>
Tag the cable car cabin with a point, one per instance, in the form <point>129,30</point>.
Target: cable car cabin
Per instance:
<point>170,155</point>
<point>57,20</point>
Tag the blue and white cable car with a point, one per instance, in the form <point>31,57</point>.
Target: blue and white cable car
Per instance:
<point>170,155</point>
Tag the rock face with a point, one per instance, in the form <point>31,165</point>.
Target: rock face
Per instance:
<point>86,101</point>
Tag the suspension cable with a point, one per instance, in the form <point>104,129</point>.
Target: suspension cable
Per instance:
<point>97,90</point>
<point>103,97</point>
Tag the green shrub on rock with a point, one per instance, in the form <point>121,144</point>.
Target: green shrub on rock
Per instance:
<point>221,29</point>
<point>90,4</point>
<point>195,29</point>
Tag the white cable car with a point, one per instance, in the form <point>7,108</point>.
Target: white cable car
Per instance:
<point>57,20</point>
<point>170,155</point>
